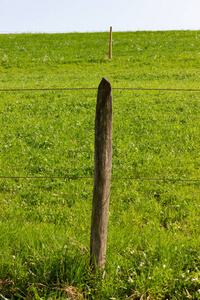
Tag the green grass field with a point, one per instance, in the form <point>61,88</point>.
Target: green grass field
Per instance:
<point>153,247</point>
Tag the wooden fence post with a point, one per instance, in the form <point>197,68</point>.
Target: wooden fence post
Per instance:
<point>102,175</point>
<point>110,44</point>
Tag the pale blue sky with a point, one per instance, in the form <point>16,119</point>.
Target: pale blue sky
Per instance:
<point>98,15</point>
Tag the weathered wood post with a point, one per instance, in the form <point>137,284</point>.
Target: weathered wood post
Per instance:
<point>102,175</point>
<point>110,44</point>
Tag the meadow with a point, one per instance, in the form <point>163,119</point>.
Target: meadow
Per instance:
<point>153,246</point>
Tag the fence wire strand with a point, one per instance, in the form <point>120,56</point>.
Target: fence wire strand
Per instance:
<point>94,88</point>
<point>92,177</point>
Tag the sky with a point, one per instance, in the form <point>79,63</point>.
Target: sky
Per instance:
<point>54,16</point>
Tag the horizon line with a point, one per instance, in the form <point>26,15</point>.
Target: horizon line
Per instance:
<point>98,31</point>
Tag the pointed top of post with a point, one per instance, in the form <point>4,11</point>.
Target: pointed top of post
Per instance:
<point>104,92</point>
<point>105,86</point>
<point>105,82</point>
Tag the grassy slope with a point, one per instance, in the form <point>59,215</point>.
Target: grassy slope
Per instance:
<point>153,236</point>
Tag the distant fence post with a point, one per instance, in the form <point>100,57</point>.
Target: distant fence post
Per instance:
<point>102,175</point>
<point>110,44</point>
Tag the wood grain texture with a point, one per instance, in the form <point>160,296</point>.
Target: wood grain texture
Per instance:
<point>102,174</point>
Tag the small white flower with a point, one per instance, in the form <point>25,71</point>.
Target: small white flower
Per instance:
<point>194,279</point>
<point>164,266</point>
<point>5,57</point>
<point>118,269</point>
<point>130,280</point>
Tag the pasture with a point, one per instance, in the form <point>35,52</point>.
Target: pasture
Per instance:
<point>153,247</point>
